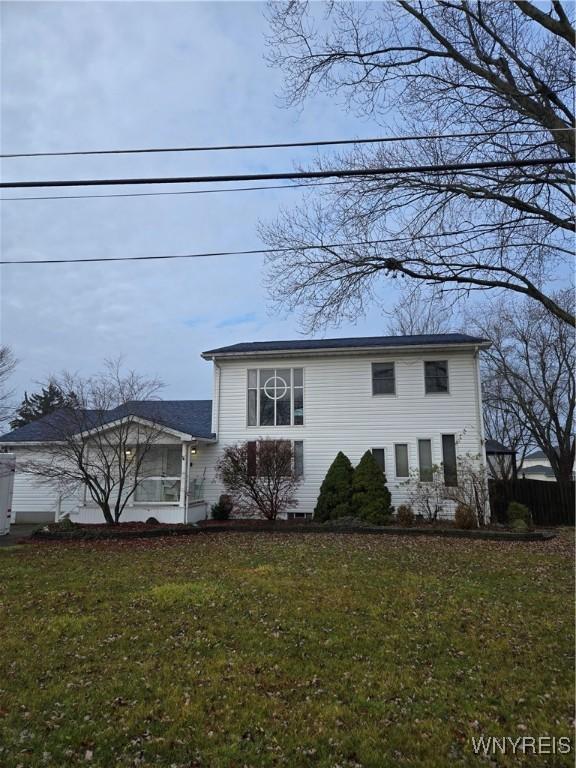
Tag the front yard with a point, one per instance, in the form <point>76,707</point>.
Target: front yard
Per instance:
<point>231,650</point>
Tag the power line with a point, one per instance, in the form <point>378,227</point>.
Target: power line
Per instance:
<point>203,255</point>
<point>339,173</point>
<point>182,192</point>
<point>281,145</point>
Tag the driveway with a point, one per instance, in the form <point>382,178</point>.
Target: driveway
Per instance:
<point>17,533</point>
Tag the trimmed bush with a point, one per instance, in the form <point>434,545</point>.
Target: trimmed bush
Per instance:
<point>465,518</point>
<point>223,509</point>
<point>405,516</point>
<point>335,491</point>
<point>519,525</point>
<point>370,496</point>
<point>517,511</point>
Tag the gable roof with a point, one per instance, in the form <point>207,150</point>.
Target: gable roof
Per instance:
<point>192,417</point>
<point>344,344</point>
<point>493,446</point>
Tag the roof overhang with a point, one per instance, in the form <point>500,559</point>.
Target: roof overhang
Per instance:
<point>331,351</point>
<point>184,436</point>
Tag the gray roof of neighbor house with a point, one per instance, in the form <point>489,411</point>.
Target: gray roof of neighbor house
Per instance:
<point>538,455</point>
<point>355,342</point>
<point>493,446</point>
<point>193,417</point>
<point>538,469</point>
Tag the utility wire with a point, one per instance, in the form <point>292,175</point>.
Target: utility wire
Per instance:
<point>203,255</point>
<point>183,192</point>
<point>280,145</point>
<point>443,168</point>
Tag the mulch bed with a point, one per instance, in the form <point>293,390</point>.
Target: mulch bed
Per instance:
<point>146,530</point>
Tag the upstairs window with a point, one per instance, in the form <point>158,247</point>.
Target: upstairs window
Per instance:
<point>383,379</point>
<point>436,377</point>
<point>275,397</point>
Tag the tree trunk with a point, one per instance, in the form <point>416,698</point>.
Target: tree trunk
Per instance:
<point>105,507</point>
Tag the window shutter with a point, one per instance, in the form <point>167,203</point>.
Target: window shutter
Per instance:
<point>252,458</point>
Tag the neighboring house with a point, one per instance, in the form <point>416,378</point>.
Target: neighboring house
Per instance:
<point>414,400</point>
<point>537,467</point>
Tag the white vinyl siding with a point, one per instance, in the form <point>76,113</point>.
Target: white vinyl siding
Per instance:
<point>342,414</point>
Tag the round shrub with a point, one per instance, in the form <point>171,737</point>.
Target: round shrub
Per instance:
<point>465,518</point>
<point>517,511</point>
<point>519,525</point>
<point>152,521</point>
<point>405,516</point>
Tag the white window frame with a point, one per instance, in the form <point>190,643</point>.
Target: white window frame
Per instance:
<point>431,441</point>
<point>448,373</point>
<point>293,387</point>
<point>396,475</point>
<point>383,394</point>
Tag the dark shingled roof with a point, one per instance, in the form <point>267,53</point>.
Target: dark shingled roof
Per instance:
<point>493,446</point>
<point>355,342</point>
<point>193,417</point>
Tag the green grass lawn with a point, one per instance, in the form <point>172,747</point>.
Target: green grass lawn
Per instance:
<point>232,650</point>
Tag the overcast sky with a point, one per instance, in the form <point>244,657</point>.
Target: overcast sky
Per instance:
<point>136,74</point>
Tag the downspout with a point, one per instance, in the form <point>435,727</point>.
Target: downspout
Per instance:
<point>216,414</point>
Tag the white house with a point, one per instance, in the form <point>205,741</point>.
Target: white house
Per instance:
<point>413,400</point>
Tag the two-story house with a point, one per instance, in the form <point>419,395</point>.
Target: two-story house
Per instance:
<point>415,401</point>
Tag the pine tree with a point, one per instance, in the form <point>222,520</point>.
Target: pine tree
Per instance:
<point>42,403</point>
<point>370,496</point>
<point>335,491</point>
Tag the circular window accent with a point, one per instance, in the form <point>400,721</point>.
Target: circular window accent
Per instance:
<point>275,387</point>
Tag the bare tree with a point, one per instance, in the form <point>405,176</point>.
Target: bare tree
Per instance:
<point>529,376</point>
<point>7,365</point>
<point>420,311</point>
<point>104,443</point>
<point>260,476</point>
<point>501,72</point>
<point>505,425</point>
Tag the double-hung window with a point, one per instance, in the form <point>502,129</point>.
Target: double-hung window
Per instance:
<point>425,460</point>
<point>297,458</point>
<point>275,397</point>
<point>436,377</point>
<point>380,456</point>
<point>449,460</point>
<point>383,379</point>
<point>401,458</point>
<point>160,475</point>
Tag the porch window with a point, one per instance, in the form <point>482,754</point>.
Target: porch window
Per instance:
<point>275,397</point>
<point>160,473</point>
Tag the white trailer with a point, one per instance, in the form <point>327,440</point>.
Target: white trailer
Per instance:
<point>7,472</point>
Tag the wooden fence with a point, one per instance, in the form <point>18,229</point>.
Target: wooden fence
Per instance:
<point>551,503</point>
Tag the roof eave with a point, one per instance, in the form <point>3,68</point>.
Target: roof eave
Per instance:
<point>325,351</point>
